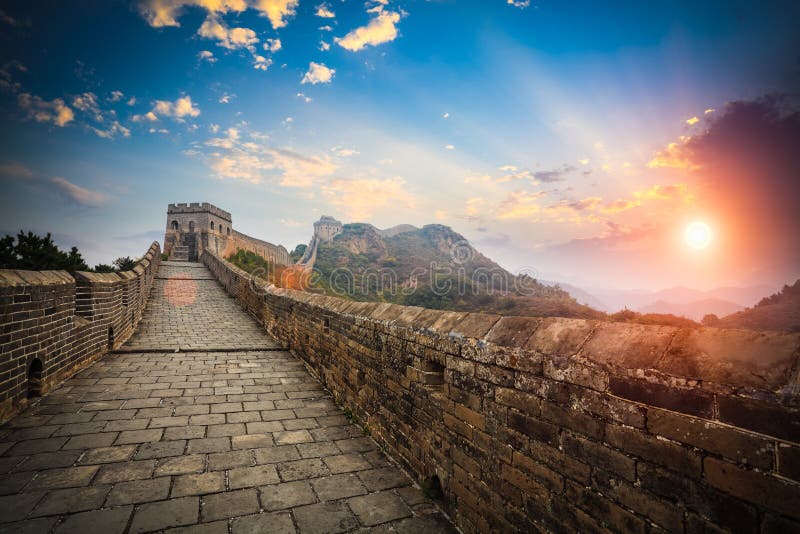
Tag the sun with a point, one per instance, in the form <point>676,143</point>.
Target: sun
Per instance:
<point>698,235</point>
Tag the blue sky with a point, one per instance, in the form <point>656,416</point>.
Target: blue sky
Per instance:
<point>531,128</point>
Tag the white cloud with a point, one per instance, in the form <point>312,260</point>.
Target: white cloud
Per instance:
<point>149,116</point>
<point>445,115</point>
<point>344,152</point>
<point>318,73</point>
<point>79,194</point>
<point>522,4</point>
<point>132,101</point>
<point>381,29</point>
<point>277,11</point>
<point>450,147</point>
<point>325,28</point>
<point>225,98</point>
<point>292,223</point>
<point>15,169</point>
<point>244,155</point>
<point>361,198</point>
<point>206,55</point>
<point>113,129</point>
<point>305,98</point>
<point>116,96</point>
<point>324,11</point>
<point>272,45</point>
<point>230,38</point>
<point>324,47</point>
<point>178,110</point>
<point>160,13</point>
<point>261,63</point>
<point>55,111</point>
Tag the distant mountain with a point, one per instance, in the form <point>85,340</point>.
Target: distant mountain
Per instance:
<point>582,296</point>
<point>780,311</point>
<point>611,300</point>
<point>433,267</point>
<point>695,310</point>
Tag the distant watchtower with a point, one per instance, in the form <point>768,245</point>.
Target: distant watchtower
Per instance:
<point>326,228</point>
<point>194,227</point>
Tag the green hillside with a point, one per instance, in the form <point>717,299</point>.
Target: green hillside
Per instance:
<point>432,267</point>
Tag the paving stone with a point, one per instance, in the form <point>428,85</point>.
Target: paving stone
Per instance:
<point>34,446</point>
<point>139,491</point>
<point>427,523</point>
<point>217,527</point>
<point>230,504</point>
<point>15,483</point>
<point>276,454</point>
<point>87,441</point>
<point>198,484</point>
<point>378,508</point>
<point>139,436</point>
<point>251,441</point>
<point>105,455</point>
<point>300,469</point>
<point>160,449</point>
<point>228,429</point>
<point>165,514</point>
<point>385,478</point>
<point>68,477</point>
<point>206,445</point>
<point>316,450</point>
<point>329,517</point>
<point>48,460</point>
<point>338,487</point>
<point>287,495</point>
<point>16,507</point>
<point>180,465</point>
<point>109,520</point>
<point>184,432</point>
<point>31,526</point>
<point>274,523</point>
<point>346,463</point>
<point>246,477</point>
<point>71,500</point>
<point>243,417</point>
<point>264,427</point>
<point>119,472</point>
<point>229,460</point>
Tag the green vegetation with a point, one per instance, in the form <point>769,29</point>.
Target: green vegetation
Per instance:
<point>253,263</point>
<point>298,252</point>
<point>34,253</point>
<point>780,311</point>
<point>416,268</point>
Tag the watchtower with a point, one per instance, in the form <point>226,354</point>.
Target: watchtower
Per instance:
<point>326,228</point>
<point>194,227</point>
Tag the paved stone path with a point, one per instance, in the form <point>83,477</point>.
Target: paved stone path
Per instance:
<point>231,441</point>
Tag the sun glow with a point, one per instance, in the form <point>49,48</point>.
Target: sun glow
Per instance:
<point>698,235</point>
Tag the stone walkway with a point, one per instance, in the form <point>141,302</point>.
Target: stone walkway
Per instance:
<point>236,441</point>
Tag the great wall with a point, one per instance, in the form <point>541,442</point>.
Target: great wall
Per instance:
<point>145,400</point>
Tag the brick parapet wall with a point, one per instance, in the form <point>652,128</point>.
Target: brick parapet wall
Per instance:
<point>65,322</point>
<point>555,424</point>
<point>275,253</point>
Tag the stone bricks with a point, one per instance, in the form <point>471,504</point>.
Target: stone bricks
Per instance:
<point>165,514</point>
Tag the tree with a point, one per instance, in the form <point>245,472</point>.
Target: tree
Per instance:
<point>298,252</point>
<point>125,264</point>
<point>710,319</point>
<point>31,252</point>
<point>104,268</point>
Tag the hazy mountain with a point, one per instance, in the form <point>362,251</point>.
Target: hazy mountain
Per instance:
<point>432,267</point>
<point>780,311</point>
<point>611,300</point>
<point>582,296</point>
<point>693,310</point>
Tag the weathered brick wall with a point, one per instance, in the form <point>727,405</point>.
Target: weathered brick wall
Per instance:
<point>275,253</point>
<point>59,323</point>
<point>560,425</point>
